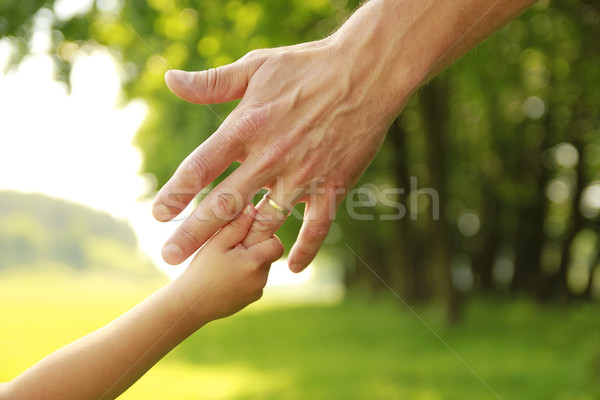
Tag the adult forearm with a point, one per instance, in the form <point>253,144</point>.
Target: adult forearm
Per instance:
<point>106,362</point>
<point>407,42</point>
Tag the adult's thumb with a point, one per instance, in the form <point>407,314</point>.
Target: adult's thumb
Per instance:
<point>216,85</point>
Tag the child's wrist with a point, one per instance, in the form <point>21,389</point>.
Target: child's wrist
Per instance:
<point>192,310</point>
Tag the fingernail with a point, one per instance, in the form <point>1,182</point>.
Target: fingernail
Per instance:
<point>161,212</point>
<point>172,253</point>
<point>248,209</point>
<point>182,77</point>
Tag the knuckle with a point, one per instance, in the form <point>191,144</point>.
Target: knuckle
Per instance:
<point>277,151</point>
<point>211,78</point>
<point>190,237</point>
<point>284,58</point>
<point>250,123</point>
<point>262,225</point>
<point>274,249</point>
<point>177,201</point>
<point>258,258</point>
<point>224,205</point>
<point>317,232</point>
<point>198,168</point>
<point>334,183</point>
<point>274,158</point>
<point>254,55</point>
<point>304,173</point>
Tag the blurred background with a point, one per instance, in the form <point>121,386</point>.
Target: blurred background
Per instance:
<point>490,258</point>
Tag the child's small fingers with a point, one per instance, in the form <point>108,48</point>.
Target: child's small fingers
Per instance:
<point>235,231</point>
<point>267,251</point>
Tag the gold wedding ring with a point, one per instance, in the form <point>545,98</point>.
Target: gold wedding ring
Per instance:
<point>276,206</point>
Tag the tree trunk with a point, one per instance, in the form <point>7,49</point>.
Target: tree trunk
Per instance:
<point>560,282</point>
<point>530,235</point>
<point>434,109</point>
<point>483,260</point>
<point>406,274</point>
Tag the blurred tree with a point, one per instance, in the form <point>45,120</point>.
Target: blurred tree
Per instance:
<point>40,231</point>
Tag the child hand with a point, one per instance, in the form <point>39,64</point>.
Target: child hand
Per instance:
<point>225,276</point>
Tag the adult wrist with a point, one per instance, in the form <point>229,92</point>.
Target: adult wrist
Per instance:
<point>374,43</point>
<point>412,41</point>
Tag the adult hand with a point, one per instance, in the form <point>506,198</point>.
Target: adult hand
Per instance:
<point>313,116</point>
<point>306,129</point>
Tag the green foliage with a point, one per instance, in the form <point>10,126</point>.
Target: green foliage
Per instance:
<point>16,22</point>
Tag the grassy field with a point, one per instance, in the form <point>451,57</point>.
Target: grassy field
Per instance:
<point>355,350</point>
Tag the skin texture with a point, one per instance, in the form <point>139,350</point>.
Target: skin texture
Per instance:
<point>224,277</point>
<point>314,115</point>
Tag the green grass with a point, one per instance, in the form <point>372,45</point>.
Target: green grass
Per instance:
<point>356,350</point>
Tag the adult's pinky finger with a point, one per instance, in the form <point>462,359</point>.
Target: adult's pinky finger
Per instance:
<point>313,233</point>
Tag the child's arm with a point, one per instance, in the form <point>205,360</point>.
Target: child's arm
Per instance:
<point>223,278</point>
